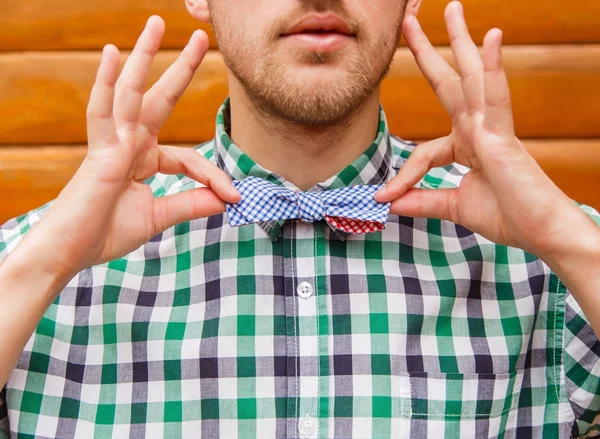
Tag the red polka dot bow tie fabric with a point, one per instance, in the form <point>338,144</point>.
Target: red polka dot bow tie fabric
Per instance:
<point>350,209</point>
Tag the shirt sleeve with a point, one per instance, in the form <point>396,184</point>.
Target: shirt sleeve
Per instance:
<point>582,362</point>
<point>4,433</point>
<point>11,233</point>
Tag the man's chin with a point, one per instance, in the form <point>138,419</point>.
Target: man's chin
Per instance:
<point>321,76</point>
<point>314,106</point>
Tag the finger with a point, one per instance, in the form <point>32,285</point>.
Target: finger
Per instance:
<point>498,108</point>
<point>442,78</point>
<point>466,54</point>
<point>428,203</point>
<point>185,206</point>
<point>99,115</point>
<point>160,100</point>
<point>131,83</point>
<point>187,161</point>
<point>428,155</point>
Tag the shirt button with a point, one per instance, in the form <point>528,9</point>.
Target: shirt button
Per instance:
<point>306,426</point>
<point>305,290</point>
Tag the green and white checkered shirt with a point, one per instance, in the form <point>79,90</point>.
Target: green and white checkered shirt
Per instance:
<point>289,330</point>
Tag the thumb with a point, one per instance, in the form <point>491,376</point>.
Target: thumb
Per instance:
<point>185,206</point>
<point>428,203</point>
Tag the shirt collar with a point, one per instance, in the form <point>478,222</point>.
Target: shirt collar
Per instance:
<point>371,168</point>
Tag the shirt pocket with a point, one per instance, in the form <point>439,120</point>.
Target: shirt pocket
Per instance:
<point>464,404</point>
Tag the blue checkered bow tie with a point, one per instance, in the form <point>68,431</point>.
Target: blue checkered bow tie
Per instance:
<point>350,209</point>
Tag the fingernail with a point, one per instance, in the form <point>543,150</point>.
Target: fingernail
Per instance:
<point>462,11</point>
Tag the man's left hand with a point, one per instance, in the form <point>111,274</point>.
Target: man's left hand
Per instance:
<point>506,197</point>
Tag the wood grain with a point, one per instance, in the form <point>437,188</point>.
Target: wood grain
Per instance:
<point>67,24</point>
<point>31,176</point>
<point>555,93</point>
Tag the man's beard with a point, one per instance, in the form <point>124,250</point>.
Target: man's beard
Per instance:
<point>275,93</point>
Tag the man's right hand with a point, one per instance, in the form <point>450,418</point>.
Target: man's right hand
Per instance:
<point>106,211</point>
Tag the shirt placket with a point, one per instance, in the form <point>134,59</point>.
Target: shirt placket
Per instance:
<point>307,331</point>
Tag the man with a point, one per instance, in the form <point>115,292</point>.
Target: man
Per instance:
<point>134,305</point>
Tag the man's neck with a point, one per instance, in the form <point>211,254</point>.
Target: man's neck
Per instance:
<point>301,156</point>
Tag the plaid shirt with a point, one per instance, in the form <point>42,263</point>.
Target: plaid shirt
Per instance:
<point>288,329</point>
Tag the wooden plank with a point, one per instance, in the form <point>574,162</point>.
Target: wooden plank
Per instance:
<point>33,25</point>
<point>29,177</point>
<point>522,22</point>
<point>43,96</point>
<point>554,91</point>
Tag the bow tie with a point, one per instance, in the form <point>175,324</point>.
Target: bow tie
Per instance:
<point>350,209</point>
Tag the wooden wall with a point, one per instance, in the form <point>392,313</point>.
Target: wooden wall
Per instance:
<point>50,50</point>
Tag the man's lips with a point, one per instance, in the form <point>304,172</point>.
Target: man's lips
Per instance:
<point>322,33</point>
<point>320,24</point>
<point>322,42</point>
